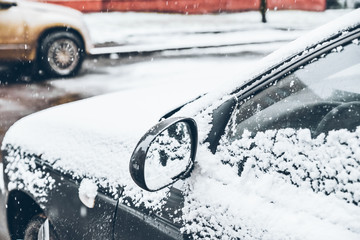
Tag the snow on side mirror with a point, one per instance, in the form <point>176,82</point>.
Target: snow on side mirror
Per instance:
<point>164,154</point>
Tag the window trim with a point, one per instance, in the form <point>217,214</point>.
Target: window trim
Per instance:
<point>257,84</point>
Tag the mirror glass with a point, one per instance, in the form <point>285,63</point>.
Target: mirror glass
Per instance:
<point>169,156</point>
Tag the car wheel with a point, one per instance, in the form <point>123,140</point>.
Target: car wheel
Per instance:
<point>61,54</point>
<point>39,228</point>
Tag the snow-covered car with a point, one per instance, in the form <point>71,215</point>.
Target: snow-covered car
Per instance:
<point>277,155</point>
<point>54,38</point>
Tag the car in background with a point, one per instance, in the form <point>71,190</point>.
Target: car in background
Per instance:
<point>272,156</point>
<point>54,38</point>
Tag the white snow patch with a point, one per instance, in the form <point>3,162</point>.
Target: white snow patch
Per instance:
<point>267,203</point>
<point>23,174</point>
<point>87,192</point>
<point>139,30</point>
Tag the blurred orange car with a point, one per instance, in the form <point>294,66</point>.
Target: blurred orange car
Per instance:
<point>53,38</point>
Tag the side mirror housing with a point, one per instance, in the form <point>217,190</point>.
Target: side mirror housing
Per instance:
<point>165,154</point>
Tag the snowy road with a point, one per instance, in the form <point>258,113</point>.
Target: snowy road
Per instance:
<point>147,31</point>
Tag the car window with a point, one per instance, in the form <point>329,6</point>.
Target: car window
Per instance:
<point>274,157</point>
<point>278,133</point>
<point>321,96</point>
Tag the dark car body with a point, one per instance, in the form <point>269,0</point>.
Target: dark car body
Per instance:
<point>116,214</point>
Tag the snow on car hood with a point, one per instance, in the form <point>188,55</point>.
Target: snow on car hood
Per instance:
<point>93,137</point>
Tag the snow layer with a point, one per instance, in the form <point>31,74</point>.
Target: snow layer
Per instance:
<point>23,174</point>
<point>97,143</point>
<point>89,139</point>
<point>87,192</point>
<point>290,186</point>
<point>140,31</point>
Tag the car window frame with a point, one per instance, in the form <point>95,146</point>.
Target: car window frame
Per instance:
<point>291,64</point>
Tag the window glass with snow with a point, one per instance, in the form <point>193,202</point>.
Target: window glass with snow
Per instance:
<point>321,96</point>
<point>303,128</point>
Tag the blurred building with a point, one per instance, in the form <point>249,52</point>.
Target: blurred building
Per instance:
<point>188,6</point>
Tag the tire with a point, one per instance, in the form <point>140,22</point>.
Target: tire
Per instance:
<point>61,54</point>
<point>33,228</point>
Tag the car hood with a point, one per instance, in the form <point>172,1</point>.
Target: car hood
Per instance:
<point>99,141</point>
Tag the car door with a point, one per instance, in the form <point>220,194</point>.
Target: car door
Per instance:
<point>12,32</point>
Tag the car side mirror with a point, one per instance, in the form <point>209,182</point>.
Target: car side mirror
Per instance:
<point>5,4</point>
<point>165,154</point>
